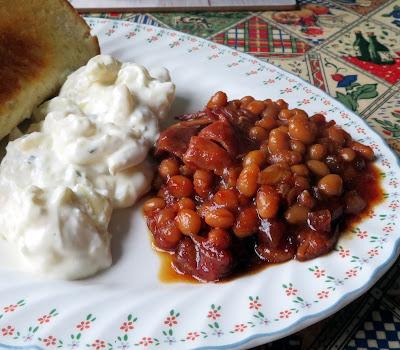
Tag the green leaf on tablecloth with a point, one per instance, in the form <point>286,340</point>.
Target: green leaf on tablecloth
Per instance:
<point>364,92</point>
<point>347,100</point>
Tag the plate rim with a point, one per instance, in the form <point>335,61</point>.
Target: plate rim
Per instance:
<point>345,297</point>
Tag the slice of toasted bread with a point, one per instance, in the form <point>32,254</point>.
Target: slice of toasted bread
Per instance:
<point>41,42</point>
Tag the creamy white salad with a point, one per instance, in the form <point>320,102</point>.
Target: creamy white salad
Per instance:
<point>60,182</point>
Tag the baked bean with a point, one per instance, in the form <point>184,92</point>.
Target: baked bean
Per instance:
<point>331,185</point>
<point>363,150</point>
<point>226,198</point>
<point>257,157</point>
<point>300,169</point>
<point>244,101</point>
<point>186,203</point>
<point>247,181</point>
<point>220,217</point>
<point>203,182</point>
<point>347,154</point>
<point>337,135</point>
<point>267,202</point>
<point>168,167</point>
<point>189,222</point>
<point>180,186</point>
<point>219,238</point>
<point>281,104</point>
<point>165,215</point>
<point>291,195</point>
<point>318,118</point>
<point>301,130</point>
<point>258,134</point>
<point>306,199</point>
<point>246,223</point>
<point>270,111</point>
<point>317,151</point>
<point>230,176</point>
<point>267,123</point>
<point>287,156</point>
<point>168,236</point>
<point>285,115</point>
<point>271,232</point>
<point>218,100</point>
<point>255,107</point>
<point>186,170</point>
<point>296,214</point>
<point>283,128</point>
<point>273,174</point>
<point>278,140</point>
<point>298,146</point>
<point>334,163</point>
<point>301,182</point>
<point>153,204</point>
<point>283,188</point>
<point>234,104</point>
<point>299,114</point>
<point>317,167</point>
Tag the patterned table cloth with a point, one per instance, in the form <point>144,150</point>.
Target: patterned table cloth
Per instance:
<point>351,50</point>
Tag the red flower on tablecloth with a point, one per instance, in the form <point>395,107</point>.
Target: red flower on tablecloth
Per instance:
<point>50,341</point>
<point>319,273</point>
<point>351,273</point>
<point>127,326</point>
<point>313,31</point>
<point>44,319</point>
<point>8,330</point>
<point>99,344</point>
<point>240,327</point>
<point>146,341</point>
<point>291,291</point>
<point>170,321</point>
<point>83,325</point>
<point>192,335</point>
<point>10,308</point>
<point>323,294</point>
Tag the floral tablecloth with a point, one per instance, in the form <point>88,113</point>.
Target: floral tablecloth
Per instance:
<point>350,49</point>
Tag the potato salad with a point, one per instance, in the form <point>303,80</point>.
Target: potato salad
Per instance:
<point>85,156</point>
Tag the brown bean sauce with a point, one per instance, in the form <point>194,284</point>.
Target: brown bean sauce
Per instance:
<point>246,183</point>
<point>369,187</point>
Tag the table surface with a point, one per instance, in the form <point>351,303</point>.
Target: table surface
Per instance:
<point>317,44</point>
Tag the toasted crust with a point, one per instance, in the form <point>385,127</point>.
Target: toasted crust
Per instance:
<point>41,42</point>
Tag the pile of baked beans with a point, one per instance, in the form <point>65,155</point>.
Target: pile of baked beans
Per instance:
<point>248,180</point>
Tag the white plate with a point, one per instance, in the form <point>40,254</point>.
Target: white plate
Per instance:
<point>128,307</point>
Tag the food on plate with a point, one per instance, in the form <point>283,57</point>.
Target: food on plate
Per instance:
<point>249,181</point>
<point>41,42</point>
<point>60,182</point>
